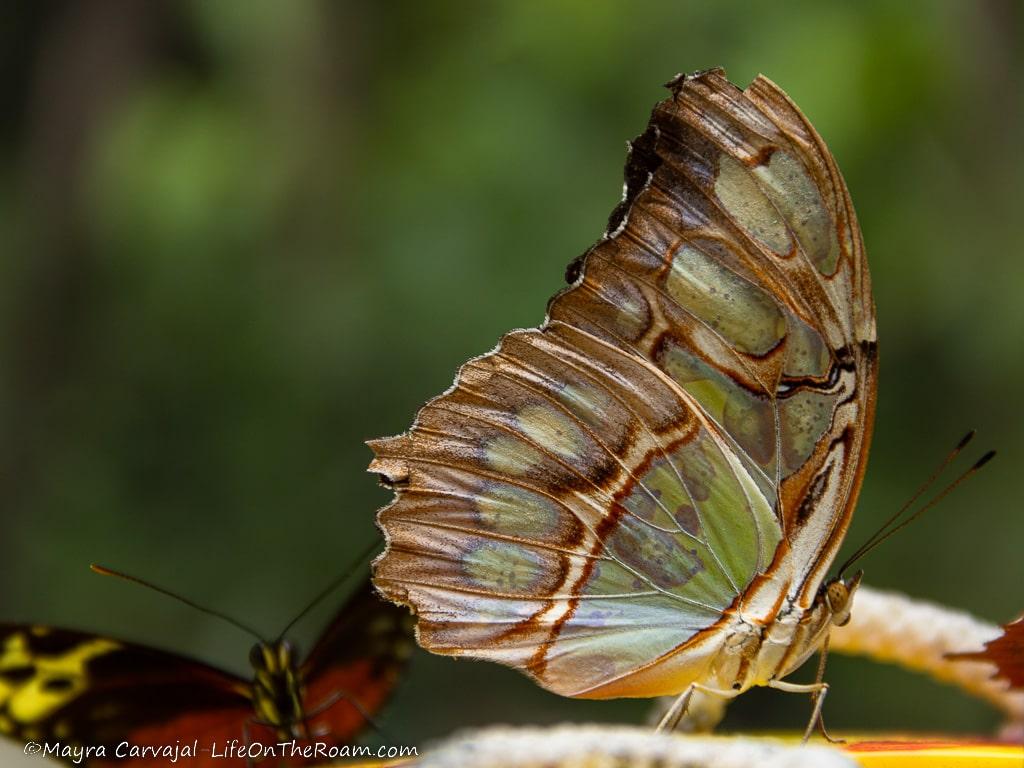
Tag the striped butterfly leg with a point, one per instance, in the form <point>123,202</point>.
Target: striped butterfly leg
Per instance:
<point>335,698</point>
<point>703,714</point>
<point>677,711</point>
<point>247,739</point>
<point>817,691</point>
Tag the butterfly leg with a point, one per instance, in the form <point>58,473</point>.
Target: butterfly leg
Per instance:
<point>817,691</point>
<point>247,738</point>
<point>819,678</point>
<point>678,709</point>
<point>341,695</point>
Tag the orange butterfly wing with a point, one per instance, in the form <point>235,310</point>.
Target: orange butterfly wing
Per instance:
<point>67,687</point>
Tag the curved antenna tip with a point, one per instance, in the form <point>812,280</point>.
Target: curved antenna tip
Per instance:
<point>984,460</point>
<point>104,571</point>
<point>965,440</point>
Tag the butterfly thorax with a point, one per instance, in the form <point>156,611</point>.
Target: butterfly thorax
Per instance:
<point>756,653</point>
<point>277,689</point>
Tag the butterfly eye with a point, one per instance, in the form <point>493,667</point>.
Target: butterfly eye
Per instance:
<point>285,653</point>
<point>257,658</point>
<point>837,596</point>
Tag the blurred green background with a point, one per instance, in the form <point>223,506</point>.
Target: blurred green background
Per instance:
<point>240,238</point>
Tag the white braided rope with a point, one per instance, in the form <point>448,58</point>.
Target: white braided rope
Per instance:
<point>602,746</point>
<point>894,628</point>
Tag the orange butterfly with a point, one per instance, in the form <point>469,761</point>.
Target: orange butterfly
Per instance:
<point>73,691</point>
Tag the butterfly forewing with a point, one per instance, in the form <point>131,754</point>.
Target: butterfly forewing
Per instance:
<point>58,685</point>
<point>589,499</point>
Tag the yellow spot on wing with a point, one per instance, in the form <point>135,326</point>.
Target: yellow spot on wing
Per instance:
<point>57,678</point>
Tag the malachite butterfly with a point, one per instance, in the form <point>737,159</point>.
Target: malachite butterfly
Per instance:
<point>643,495</point>
<point>71,690</point>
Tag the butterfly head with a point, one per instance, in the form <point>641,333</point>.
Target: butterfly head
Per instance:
<point>272,658</point>
<point>837,594</point>
<point>277,696</point>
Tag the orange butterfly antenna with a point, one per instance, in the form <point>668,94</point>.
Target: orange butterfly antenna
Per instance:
<point>104,571</point>
<point>894,524</point>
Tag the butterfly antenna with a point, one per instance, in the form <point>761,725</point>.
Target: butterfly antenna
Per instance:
<point>884,534</point>
<point>366,554</point>
<point>104,571</point>
<point>941,495</point>
<point>881,532</point>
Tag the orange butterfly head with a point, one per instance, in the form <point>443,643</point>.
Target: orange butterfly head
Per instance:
<point>276,688</point>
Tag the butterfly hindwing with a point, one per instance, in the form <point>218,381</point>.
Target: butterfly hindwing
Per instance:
<point>589,499</point>
<point>355,665</point>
